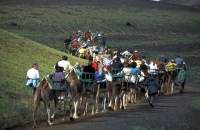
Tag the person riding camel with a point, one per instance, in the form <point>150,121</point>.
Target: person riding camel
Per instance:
<point>84,45</point>
<point>139,62</point>
<point>65,63</point>
<point>100,76</point>
<point>163,59</point>
<point>135,72</point>
<point>33,77</point>
<point>59,80</point>
<point>171,65</point>
<point>88,34</point>
<point>126,71</point>
<point>144,68</point>
<point>153,67</point>
<point>107,61</point>
<point>136,55</point>
<point>88,69</point>
<point>179,61</point>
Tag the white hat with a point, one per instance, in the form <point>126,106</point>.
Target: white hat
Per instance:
<point>135,50</point>
<point>79,31</point>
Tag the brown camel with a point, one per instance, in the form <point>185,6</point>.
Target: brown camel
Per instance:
<point>76,92</point>
<point>45,94</point>
<point>162,76</point>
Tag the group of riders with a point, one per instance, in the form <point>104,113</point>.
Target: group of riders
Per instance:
<point>79,43</point>
<point>129,69</point>
<point>135,66</point>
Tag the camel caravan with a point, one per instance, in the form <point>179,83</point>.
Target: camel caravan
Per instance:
<point>110,81</point>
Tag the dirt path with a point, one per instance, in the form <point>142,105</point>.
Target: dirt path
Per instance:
<point>170,112</point>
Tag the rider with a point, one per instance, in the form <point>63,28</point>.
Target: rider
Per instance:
<point>59,80</point>
<point>33,77</point>
<point>134,71</point>
<point>153,67</point>
<point>117,64</point>
<point>163,58</point>
<point>84,44</point>
<point>100,76</point>
<point>126,71</point>
<point>88,34</point>
<point>65,63</point>
<point>88,69</point>
<point>171,65</point>
<point>144,68</point>
<point>179,61</point>
<point>107,61</point>
<point>58,76</point>
<point>136,55</point>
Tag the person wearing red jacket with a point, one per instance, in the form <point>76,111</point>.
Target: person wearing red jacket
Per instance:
<point>136,55</point>
<point>88,34</point>
<point>95,64</point>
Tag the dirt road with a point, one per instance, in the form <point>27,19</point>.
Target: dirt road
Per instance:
<point>170,112</point>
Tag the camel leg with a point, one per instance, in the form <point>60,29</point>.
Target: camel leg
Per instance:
<point>55,109</point>
<point>131,95</point>
<point>168,84</point>
<point>108,96</point>
<point>86,108</point>
<point>104,102</point>
<point>75,109</point>
<point>70,110</point>
<point>172,88</point>
<point>161,89</point>
<point>139,92</point>
<point>135,96</point>
<point>47,107</point>
<point>124,100</point>
<point>34,115</point>
<point>85,104</point>
<point>121,104</point>
<point>110,103</point>
<point>146,94</point>
<point>64,116</point>
<point>97,99</point>
<point>116,103</point>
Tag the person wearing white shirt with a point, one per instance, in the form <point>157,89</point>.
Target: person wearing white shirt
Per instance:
<point>64,63</point>
<point>152,67</point>
<point>33,77</point>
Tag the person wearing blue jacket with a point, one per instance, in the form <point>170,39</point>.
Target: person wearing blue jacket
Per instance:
<point>135,72</point>
<point>100,77</point>
<point>152,85</point>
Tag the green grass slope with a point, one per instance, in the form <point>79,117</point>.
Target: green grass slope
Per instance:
<point>51,24</point>
<point>17,56</point>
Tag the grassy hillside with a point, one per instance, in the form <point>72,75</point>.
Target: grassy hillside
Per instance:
<point>17,56</point>
<point>51,24</point>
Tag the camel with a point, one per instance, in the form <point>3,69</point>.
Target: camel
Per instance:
<point>171,76</point>
<point>115,94</point>
<point>162,76</point>
<point>72,49</point>
<point>45,94</point>
<point>76,92</point>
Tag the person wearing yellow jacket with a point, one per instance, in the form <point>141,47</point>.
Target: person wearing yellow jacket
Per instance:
<point>171,65</point>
